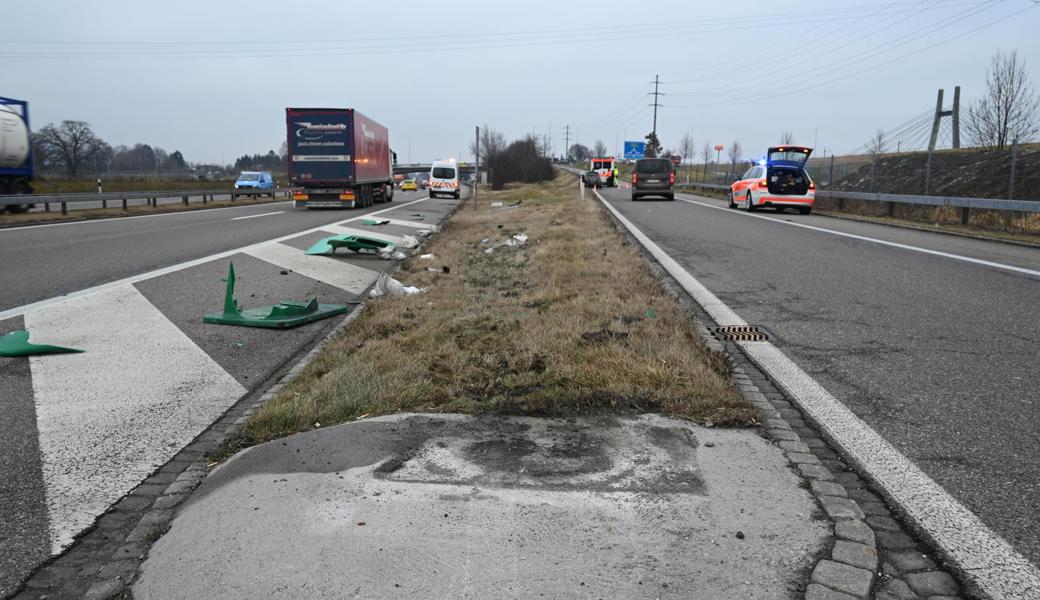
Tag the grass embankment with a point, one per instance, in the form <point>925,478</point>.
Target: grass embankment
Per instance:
<point>84,214</point>
<point>75,186</point>
<point>572,322</point>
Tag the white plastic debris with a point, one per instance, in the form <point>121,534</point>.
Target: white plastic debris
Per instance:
<point>495,204</point>
<point>409,241</point>
<point>389,253</point>
<point>518,239</point>
<point>489,250</point>
<point>388,286</point>
<point>425,257</point>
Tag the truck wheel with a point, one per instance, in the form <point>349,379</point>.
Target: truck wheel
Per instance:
<point>389,196</point>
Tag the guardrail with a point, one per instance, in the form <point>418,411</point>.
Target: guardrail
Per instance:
<point>965,204</point>
<point>150,198</point>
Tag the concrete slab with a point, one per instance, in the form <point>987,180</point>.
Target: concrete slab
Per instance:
<point>423,506</point>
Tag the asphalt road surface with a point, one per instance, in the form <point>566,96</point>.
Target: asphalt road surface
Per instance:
<point>81,430</point>
<point>44,261</point>
<point>936,353</point>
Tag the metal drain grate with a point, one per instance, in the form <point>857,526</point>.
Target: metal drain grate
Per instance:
<point>740,333</point>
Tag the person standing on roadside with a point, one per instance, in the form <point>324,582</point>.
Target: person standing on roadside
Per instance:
<point>614,176</point>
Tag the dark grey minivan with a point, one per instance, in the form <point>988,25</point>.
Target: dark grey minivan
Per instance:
<point>653,177</point>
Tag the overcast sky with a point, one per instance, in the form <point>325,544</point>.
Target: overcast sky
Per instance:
<point>212,79</point>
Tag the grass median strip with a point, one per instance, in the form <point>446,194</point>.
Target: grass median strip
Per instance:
<point>570,322</point>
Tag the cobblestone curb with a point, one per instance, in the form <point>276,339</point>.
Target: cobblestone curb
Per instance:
<point>871,554</point>
<point>103,562</point>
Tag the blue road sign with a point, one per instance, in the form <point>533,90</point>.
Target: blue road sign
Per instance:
<point>635,150</point>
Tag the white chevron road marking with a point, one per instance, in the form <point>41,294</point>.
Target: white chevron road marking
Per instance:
<point>109,417</point>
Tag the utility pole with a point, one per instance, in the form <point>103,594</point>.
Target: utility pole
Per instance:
<point>476,169</point>
<point>566,142</point>
<point>655,94</point>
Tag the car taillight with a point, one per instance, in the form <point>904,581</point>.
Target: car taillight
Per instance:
<point>762,183</point>
<point>812,186</point>
<point>635,178</point>
<point>671,178</point>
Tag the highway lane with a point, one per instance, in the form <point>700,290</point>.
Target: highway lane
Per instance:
<point>81,430</point>
<point>44,261</point>
<point>936,353</point>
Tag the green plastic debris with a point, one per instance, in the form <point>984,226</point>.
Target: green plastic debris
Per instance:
<point>374,222</point>
<point>17,343</point>
<point>277,316</point>
<point>650,313</point>
<point>356,243</point>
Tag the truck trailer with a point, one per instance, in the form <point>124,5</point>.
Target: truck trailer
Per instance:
<point>16,160</point>
<point>338,158</point>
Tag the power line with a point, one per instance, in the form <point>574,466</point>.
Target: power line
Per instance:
<point>656,94</point>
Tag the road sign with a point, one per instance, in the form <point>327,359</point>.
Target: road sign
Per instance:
<point>634,150</point>
<point>719,147</point>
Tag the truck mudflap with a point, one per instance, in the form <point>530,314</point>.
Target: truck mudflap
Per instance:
<point>325,199</point>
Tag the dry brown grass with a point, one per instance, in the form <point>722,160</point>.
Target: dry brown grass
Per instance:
<point>86,214</point>
<point>573,322</point>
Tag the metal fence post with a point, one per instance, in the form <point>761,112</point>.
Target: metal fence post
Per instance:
<point>124,203</point>
<point>185,198</point>
<point>830,178</point>
<point>64,208</point>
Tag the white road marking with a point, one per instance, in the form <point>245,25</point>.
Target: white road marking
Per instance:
<point>259,215</point>
<point>338,273</point>
<point>180,213</point>
<point>386,237</point>
<point>402,222</point>
<point>977,261</point>
<point>984,557</point>
<point>18,310</point>
<point>112,415</point>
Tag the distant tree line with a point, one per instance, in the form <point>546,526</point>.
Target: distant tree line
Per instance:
<point>71,149</point>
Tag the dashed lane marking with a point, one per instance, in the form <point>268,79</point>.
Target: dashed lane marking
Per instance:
<point>268,214</point>
<point>981,555</point>
<point>180,213</point>
<point>112,415</point>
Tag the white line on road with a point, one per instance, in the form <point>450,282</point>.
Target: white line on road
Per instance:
<point>25,308</point>
<point>982,556</point>
<point>180,213</point>
<point>338,273</point>
<point>278,212</point>
<point>864,238</point>
<point>112,415</point>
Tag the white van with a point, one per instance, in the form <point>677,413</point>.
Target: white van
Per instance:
<point>444,179</point>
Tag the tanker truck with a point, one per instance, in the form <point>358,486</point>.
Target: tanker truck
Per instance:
<point>16,164</point>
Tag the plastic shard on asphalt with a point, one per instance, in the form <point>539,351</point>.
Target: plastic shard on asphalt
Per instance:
<point>277,316</point>
<point>356,243</point>
<point>17,343</point>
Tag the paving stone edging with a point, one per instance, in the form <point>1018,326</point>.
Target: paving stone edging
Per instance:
<point>152,505</point>
<point>871,554</point>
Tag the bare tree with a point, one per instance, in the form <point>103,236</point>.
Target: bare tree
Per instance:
<point>492,145</point>
<point>1008,110</point>
<point>599,148</point>
<point>686,149</point>
<point>876,145</point>
<point>734,153</point>
<point>70,145</point>
<point>706,151</point>
<point>787,137</point>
